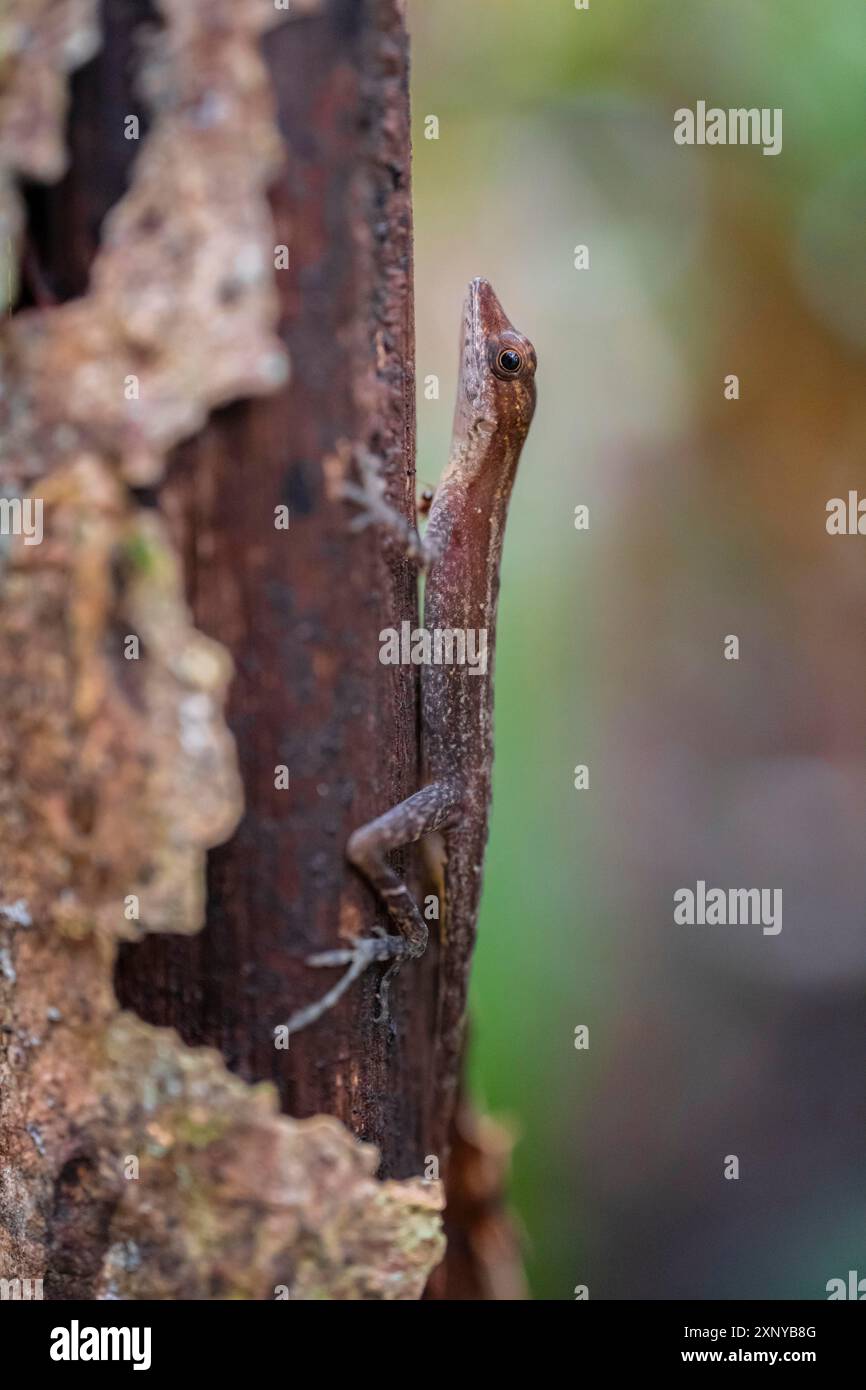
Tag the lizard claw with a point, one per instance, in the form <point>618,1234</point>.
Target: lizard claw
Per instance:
<point>369,513</point>
<point>366,952</point>
<point>327,958</point>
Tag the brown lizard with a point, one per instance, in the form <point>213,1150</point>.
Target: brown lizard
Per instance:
<point>460,551</point>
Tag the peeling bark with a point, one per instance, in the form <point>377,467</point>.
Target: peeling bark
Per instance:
<point>41,42</point>
<point>181,305</point>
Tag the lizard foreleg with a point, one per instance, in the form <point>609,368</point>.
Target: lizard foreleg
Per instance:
<point>435,807</point>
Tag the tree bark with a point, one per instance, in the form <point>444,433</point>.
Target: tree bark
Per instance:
<point>300,610</point>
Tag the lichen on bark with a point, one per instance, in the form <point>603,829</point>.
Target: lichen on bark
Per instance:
<point>132,1166</point>
<point>181,306</point>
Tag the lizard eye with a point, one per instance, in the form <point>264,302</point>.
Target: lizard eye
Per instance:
<point>509,361</point>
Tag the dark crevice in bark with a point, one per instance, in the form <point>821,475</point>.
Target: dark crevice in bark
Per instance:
<point>78,1230</point>
<point>64,219</point>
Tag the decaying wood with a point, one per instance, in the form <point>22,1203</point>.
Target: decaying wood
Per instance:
<point>118,774</point>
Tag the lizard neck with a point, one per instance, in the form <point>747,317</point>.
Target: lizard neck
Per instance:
<point>467,519</point>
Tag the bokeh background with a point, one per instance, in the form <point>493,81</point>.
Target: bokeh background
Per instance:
<point>707,518</point>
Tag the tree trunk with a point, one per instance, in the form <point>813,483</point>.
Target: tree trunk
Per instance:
<point>300,610</point>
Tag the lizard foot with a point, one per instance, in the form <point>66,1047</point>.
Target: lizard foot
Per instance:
<point>374,509</point>
<point>369,494</point>
<point>368,951</point>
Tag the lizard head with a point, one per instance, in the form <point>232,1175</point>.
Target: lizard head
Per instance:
<point>497,367</point>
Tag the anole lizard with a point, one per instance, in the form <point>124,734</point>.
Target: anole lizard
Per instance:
<point>461,551</point>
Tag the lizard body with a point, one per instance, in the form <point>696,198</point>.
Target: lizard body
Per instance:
<point>461,551</point>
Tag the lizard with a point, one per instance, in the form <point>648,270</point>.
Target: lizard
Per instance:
<point>460,553</point>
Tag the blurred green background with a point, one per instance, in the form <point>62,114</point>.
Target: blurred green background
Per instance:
<point>707,517</point>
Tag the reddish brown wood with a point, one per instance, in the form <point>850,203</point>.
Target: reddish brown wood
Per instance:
<point>301,612</point>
